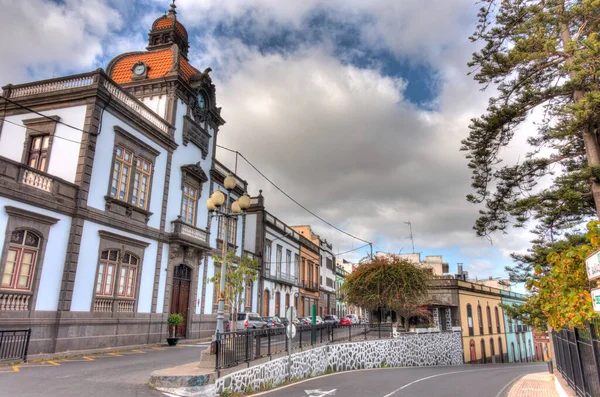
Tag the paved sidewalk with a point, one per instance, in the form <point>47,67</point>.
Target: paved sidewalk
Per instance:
<point>540,384</point>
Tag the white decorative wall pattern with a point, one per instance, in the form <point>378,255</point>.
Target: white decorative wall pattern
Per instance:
<point>408,350</point>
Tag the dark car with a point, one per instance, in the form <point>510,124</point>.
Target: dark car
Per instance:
<point>273,322</point>
<point>283,321</point>
<point>331,319</point>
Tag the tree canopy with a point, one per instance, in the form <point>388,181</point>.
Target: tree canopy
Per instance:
<point>387,282</point>
<point>539,55</point>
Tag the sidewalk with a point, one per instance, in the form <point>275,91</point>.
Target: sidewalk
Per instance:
<point>540,384</point>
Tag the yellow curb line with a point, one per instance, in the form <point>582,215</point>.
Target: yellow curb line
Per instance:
<point>15,368</point>
<point>53,363</point>
<point>115,354</point>
<point>88,358</point>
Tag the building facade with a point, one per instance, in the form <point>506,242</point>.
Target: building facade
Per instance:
<point>310,271</point>
<point>519,337</point>
<point>103,177</point>
<point>277,247</point>
<point>327,300</point>
<point>340,302</point>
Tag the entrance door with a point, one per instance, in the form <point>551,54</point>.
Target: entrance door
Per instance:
<point>180,297</point>
<point>492,351</point>
<point>501,350</point>
<point>473,352</point>
<point>483,355</point>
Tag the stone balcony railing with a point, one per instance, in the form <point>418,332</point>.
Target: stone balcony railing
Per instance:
<point>182,232</point>
<point>108,305</point>
<point>16,178</point>
<point>283,277</point>
<point>89,81</point>
<point>14,302</point>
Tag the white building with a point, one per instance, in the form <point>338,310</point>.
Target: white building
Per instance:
<point>104,176</point>
<point>327,301</point>
<point>434,262</point>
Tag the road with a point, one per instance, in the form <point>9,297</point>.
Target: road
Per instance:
<point>457,381</point>
<point>121,374</point>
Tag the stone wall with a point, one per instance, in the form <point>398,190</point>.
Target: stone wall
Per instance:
<point>408,350</point>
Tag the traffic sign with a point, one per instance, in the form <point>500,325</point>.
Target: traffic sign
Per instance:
<point>291,331</point>
<point>592,265</point>
<point>291,314</point>
<point>596,299</point>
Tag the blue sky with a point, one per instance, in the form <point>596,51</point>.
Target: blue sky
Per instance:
<point>355,108</point>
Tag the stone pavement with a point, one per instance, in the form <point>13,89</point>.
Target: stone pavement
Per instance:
<point>540,384</point>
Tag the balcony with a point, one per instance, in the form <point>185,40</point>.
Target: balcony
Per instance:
<point>310,285</point>
<point>183,233</point>
<point>27,184</point>
<point>283,277</point>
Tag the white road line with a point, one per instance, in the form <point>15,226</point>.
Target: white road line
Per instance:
<point>508,384</point>
<point>437,375</point>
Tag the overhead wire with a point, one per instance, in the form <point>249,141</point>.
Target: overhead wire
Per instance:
<point>292,199</point>
<point>41,114</point>
<point>42,132</point>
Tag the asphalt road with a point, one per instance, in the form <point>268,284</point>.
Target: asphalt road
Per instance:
<point>125,374</point>
<point>457,381</point>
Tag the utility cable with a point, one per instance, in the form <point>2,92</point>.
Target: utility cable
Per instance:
<point>292,199</point>
<point>42,132</point>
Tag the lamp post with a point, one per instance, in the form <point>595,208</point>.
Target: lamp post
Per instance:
<point>216,200</point>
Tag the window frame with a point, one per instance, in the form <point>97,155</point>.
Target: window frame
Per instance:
<point>140,151</point>
<point>267,262</point>
<point>488,313</point>
<point>497,315</point>
<point>186,206</point>
<point>480,319</point>
<point>35,128</point>
<point>21,249</point>
<point>278,258</point>
<point>124,246</point>
<point>470,319</point>
<point>20,219</point>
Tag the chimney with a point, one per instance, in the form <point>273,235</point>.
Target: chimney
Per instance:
<point>460,271</point>
<point>491,278</point>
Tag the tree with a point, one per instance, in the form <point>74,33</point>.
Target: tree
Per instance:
<point>561,290</point>
<point>544,55</point>
<point>239,272</point>
<point>388,283</point>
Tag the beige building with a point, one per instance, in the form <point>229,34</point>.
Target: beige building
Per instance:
<point>502,284</point>
<point>433,262</point>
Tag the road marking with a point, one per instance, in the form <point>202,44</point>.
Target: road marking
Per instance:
<point>508,384</point>
<point>53,363</point>
<point>88,358</point>
<point>320,393</point>
<point>115,354</point>
<point>15,368</point>
<point>438,375</point>
<point>158,348</point>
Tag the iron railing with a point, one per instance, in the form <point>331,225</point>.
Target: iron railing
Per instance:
<point>577,359</point>
<point>14,345</point>
<point>234,348</point>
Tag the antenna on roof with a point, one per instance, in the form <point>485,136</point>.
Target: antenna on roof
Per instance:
<point>410,236</point>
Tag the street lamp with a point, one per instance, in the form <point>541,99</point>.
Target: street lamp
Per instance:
<point>216,200</point>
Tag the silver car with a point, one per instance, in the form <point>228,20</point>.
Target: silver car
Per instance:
<point>246,321</point>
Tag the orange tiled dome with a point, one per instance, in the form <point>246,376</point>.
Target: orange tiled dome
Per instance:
<point>167,21</point>
<point>159,63</point>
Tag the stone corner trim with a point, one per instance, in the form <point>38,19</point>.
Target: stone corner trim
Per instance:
<point>409,350</point>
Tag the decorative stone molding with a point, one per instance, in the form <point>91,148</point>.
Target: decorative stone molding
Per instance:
<point>193,132</point>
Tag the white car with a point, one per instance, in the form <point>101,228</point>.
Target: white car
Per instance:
<point>354,318</point>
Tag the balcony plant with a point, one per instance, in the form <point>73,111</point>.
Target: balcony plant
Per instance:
<point>173,321</point>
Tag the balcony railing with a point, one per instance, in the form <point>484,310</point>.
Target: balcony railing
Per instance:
<point>91,80</point>
<point>284,277</point>
<point>104,305</point>
<point>182,231</point>
<point>14,302</point>
<point>310,285</point>
<point>31,178</point>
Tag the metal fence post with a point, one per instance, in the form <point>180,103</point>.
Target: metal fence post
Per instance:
<point>247,346</point>
<point>579,362</point>
<point>350,332</point>
<point>300,332</point>
<point>269,342</point>
<point>217,351</point>
<point>380,330</point>
<point>366,329</point>
<point>592,329</point>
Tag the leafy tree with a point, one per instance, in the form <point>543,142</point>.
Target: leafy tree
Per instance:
<point>543,55</point>
<point>239,272</point>
<point>560,289</point>
<point>388,283</point>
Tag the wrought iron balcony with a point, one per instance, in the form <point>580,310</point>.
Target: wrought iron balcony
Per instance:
<point>283,277</point>
<point>183,233</point>
<point>310,285</point>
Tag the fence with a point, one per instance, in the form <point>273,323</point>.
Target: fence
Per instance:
<point>234,348</point>
<point>14,345</point>
<point>577,358</point>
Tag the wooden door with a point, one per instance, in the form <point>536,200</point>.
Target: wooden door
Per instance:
<point>473,352</point>
<point>180,297</point>
<point>483,355</point>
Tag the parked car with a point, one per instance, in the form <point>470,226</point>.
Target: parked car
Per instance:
<point>331,319</point>
<point>318,320</point>
<point>272,322</point>
<point>283,321</point>
<point>247,321</point>
<point>363,320</point>
<point>346,321</point>
<point>296,321</point>
<point>354,318</point>
<point>305,321</point>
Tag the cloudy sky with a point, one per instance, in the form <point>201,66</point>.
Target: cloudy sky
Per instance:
<point>355,108</point>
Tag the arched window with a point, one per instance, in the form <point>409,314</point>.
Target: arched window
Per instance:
<point>483,355</point>
<point>492,350</point>
<point>473,351</point>
<point>277,303</point>
<point>497,315</point>
<point>480,319</point>
<point>111,265</point>
<point>510,325</point>
<point>20,261</point>
<point>488,312</point>
<point>500,350</point>
<point>266,303</point>
<point>470,319</point>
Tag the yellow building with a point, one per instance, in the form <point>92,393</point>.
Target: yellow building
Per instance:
<point>309,280</point>
<point>482,323</point>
